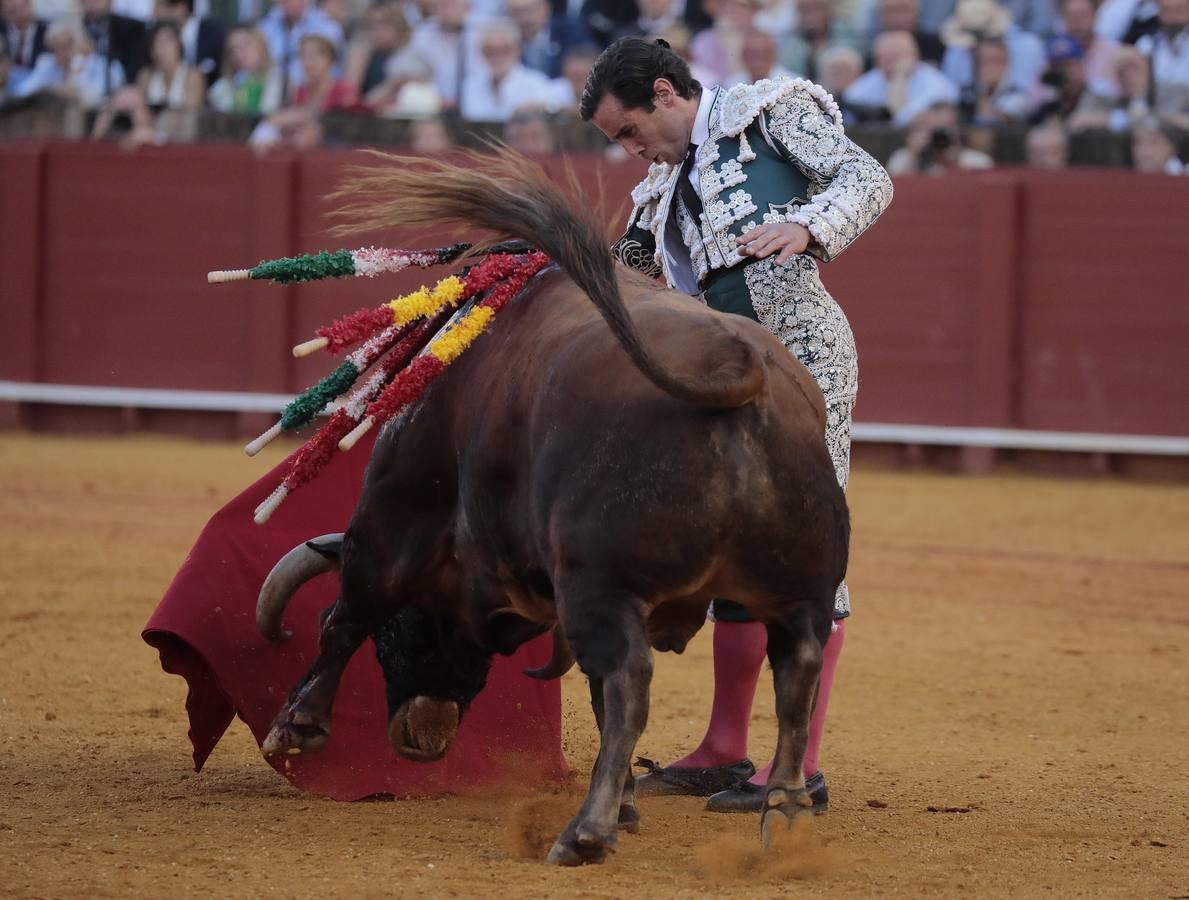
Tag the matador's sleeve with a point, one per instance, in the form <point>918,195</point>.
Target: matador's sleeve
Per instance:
<point>853,187</point>
<point>637,248</point>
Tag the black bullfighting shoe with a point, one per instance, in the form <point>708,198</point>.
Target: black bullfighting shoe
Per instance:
<point>691,781</point>
<point>746,797</point>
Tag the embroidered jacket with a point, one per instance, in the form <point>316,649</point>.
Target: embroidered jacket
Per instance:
<point>776,153</point>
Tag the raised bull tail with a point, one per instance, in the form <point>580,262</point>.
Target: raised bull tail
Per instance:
<point>305,561</point>
<point>513,197</point>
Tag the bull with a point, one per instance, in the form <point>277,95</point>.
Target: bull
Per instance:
<point>599,469</point>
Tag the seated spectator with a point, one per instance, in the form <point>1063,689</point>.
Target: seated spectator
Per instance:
<point>429,136</point>
<point>758,55</point>
<point>506,86</point>
<point>575,69</point>
<point>251,84</point>
<point>715,49</point>
<point>1077,21</point>
<point>1064,92</point>
<point>655,16</point>
<point>1125,21</point>
<point>934,145</point>
<point>992,99</point>
<point>451,46</point>
<point>319,89</point>
<point>530,133</point>
<point>1037,17</point>
<point>900,87</point>
<point>976,20</point>
<point>905,15</point>
<point>70,69</point>
<point>385,61</point>
<point>838,68</point>
<point>202,38</point>
<point>1153,150</point>
<point>1047,147</point>
<point>165,101</point>
<point>1167,50</point>
<point>382,53</point>
<point>116,37</point>
<point>284,27</point>
<point>544,38</point>
<point>25,34</point>
<point>1124,99</point>
<point>815,31</point>
<point>339,11</point>
<point>296,128</point>
<point>5,73</point>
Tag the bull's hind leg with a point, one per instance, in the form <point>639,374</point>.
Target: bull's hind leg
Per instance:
<point>606,632</point>
<point>795,652</point>
<point>303,724</point>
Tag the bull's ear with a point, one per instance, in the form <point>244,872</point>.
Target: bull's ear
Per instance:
<point>329,546</point>
<point>507,630</point>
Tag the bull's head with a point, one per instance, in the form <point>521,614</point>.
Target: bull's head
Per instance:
<point>432,673</point>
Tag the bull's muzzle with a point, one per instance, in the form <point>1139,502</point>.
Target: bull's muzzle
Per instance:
<point>423,728</point>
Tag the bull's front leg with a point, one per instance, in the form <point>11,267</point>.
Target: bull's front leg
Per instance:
<point>795,652</point>
<point>303,724</point>
<point>608,638</point>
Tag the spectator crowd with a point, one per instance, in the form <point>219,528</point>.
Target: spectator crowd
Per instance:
<point>942,72</point>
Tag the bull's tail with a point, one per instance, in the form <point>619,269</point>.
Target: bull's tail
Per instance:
<point>507,194</point>
<point>305,561</point>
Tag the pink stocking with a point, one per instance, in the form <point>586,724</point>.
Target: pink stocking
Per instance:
<point>817,722</point>
<point>739,649</point>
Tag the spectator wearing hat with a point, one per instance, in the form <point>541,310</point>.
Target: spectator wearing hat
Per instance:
<point>1064,91</point>
<point>1167,49</point>
<point>1153,150</point>
<point>817,28</point>
<point>25,34</point>
<point>1076,20</point>
<point>505,85</point>
<point>1047,147</point>
<point>977,20</point>
<point>900,87</point>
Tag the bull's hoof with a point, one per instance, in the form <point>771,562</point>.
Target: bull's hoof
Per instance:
<point>785,812</point>
<point>629,819</point>
<point>292,738</point>
<point>584,845</point>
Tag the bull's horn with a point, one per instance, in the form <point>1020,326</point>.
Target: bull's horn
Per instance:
<point>299,565</point>
<point>559,663</point>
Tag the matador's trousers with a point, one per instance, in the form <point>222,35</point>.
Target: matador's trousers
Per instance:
<point>791,302</point>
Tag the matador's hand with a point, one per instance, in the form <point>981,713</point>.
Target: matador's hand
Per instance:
<point>786,237</point>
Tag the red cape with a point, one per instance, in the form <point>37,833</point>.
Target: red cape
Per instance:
<point>205,631</point>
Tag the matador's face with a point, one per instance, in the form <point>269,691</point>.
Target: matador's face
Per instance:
<point>659,136</point>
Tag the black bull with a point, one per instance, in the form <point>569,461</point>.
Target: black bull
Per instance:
<point>604,469</point>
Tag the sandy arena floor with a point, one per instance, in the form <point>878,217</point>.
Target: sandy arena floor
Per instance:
<point>1020,652</point>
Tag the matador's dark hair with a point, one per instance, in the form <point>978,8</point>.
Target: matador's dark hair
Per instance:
<point>627,69</point>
